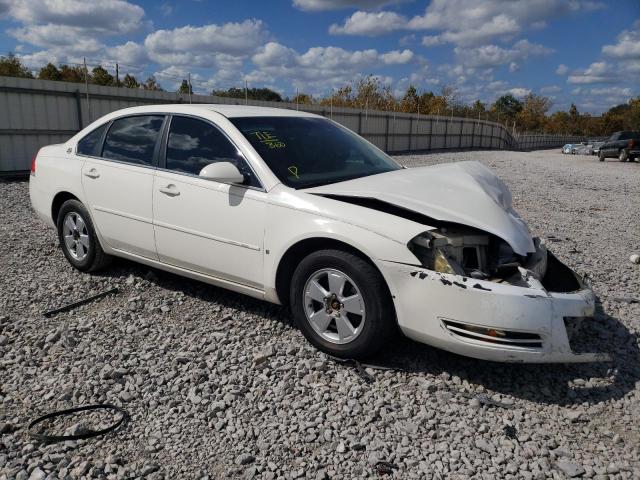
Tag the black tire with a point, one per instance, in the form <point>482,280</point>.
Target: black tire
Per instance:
<point>601,156</point>
<point>93,258</point>
<point>623,155</point>
<point>379,325</point>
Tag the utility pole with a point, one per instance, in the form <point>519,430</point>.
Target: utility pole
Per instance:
<point>86,86</point>
<point>189,85</point>
<point>117,76</point>
<point>331,105</point>
<point>246,93</point>
<point>297,97</point>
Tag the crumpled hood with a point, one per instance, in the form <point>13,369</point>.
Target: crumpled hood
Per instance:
<point>467,193</point>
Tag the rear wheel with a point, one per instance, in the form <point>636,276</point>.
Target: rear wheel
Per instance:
<point>623,156</point>
<point>341,304</point>
<point>78,238</point>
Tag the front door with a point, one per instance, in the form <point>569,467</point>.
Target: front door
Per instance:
<point>118,183</point>
<point>202,225</point>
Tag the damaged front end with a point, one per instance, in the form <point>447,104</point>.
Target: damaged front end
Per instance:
<point>475,296</point>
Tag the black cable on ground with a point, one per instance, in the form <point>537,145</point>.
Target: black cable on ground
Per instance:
<point>92,433</point>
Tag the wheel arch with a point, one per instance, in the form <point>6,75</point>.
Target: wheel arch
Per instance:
<point>297,251</point>
<point>57,202</point>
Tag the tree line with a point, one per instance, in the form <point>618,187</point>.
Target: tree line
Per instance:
<point>530,114</point>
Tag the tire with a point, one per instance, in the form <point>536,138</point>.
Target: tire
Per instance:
<point>78,238</point>
<point>623,156</point>
<point>601,156</point>
<point>368,330</point>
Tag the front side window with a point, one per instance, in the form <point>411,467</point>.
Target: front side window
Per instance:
<point>305,151</point>
<point>89,145</point>
<point>193,144</point>
<point>133,139</point>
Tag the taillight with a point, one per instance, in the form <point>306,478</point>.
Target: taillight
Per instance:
<point>33,165</point>
<point>631,143</point>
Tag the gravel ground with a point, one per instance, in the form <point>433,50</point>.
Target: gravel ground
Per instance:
<point>221,385</point>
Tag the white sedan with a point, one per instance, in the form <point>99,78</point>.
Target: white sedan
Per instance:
<point>295,209</point>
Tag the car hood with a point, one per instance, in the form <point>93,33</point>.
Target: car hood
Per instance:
<point>467,193</point>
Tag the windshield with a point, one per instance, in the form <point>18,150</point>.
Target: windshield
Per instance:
<point>306,152</point>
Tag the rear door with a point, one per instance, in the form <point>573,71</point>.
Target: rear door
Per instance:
<point>118,182</point>
<point>203,225</point>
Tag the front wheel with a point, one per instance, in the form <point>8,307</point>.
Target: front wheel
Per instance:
<point>623,156</point>
<point>341,304</point>
<point>78,238</point>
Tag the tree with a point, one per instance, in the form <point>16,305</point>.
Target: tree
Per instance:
<point>72,74</point>
<point>532,116</point>
<point>410,102</point>
<point>151,84</point>
<point>11,66</point>
<point>302,99</point>
<point>130,81</point>
<point>185,88</point>
<point>49,72</point>
<point>101,77</point>
<point>507,107</point>
<point>265,94</point>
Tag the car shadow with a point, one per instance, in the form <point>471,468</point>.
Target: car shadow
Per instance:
<point>559,384</point>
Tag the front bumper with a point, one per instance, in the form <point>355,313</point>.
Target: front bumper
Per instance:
<point>488,320</point>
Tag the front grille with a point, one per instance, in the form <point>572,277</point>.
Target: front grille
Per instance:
<point>494,336</point>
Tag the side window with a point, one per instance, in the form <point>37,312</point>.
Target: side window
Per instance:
<point>133,139</point>
<point>89,145</point>
<point>193,144</point>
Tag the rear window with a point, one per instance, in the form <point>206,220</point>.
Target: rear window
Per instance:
<point>90,144</point>
<point>133,139</point>
<point>629,135</point>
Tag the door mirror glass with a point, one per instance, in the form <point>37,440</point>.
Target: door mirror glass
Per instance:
<point>224,172</point>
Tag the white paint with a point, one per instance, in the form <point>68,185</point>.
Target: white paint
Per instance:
<point>220,233</point>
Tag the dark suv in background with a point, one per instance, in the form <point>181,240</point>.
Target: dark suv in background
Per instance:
<point>625,146</point>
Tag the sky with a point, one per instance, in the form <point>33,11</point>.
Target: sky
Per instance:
<point>585,52</point>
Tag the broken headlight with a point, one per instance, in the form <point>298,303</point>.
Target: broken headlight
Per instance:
<point>463,251</point>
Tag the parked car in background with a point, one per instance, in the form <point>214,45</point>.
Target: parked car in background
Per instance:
<point>567,148</point>
<point>625,146</point>
<point>595,150</point>
<point>293,208</point>
<point>581,149</point>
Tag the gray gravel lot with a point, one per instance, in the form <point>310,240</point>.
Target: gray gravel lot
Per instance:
<point>221,385</point>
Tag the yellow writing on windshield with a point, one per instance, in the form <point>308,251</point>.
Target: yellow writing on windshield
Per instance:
<point>269,139</point>
<point>293,170</point>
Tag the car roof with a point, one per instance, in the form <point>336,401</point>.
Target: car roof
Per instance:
<point>226,110</point>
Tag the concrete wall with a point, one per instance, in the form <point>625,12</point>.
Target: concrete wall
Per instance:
<point>34,113</point>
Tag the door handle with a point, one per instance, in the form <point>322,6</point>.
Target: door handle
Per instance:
<point>170,190</point>
<point>93,173</point>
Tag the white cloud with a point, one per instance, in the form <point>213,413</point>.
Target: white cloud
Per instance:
<point>628,45</point>
<point>514,67</point>
<point>493,55</point>
<point>189,43</point>
<point>130,53</point>
<point>519,92</point>
<point>324,66</point>
<point>465,22</point>
<point>369,23</point>
<point>104,17</point>
<point>551,89</point>
<point>319,5</point>
<point>598,72</point>
<point>562,69</point>
<point>432,40</point>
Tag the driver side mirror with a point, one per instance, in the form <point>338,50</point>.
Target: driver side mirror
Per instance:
<point>223,172</point>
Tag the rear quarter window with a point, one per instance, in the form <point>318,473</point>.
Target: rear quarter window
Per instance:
<point>90,144</point>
